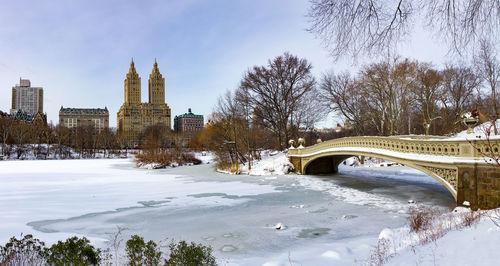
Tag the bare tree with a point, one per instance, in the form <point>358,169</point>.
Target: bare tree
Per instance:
<point>397,96</point>
<point>460,86</point>
<point>359,27</point>
<point>243,98</point>
<point>232,119</point>
<point>427,93</point>
<point>6,130</point>
<point>340,95</point>
<point>488,68</point>
<point>277,91</point>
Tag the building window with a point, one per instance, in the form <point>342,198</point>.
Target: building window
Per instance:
<point>98,124</point>
<point>70,122</point>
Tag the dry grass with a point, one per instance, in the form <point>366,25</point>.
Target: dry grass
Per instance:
<point>229,167</point>
<point>421,218</point>
<point>381,254</point>
<point>426,225</point>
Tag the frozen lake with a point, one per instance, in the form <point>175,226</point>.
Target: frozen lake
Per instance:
<point>333,219</point>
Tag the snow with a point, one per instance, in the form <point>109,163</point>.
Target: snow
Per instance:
<point>331,255</point>
<point>474,245</point>
<point>279,226</point>
<point>386,234</point>
<point>480,132</point>
<point>480,242</point>
<point>271,163</point>
<point>329,220</point>
<point>401,155</point>
<point>205,157</point>
<point>48,189</point>
<point>68,153</point>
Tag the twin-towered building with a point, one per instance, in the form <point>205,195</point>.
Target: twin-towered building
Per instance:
<point>134,116</point>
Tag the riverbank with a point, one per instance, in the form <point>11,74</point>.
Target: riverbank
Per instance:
<point>476,232</point>
<point>235,214</point>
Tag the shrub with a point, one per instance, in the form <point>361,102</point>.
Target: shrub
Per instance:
<point>187,157</point>
<point>165,157</point>
<point>74,251</point>
<point>381,253</point>
<point>25,251</point>
<point>421,218</point>
<point>471,217</point>
<point>141,253</point>
<point>191,254</point>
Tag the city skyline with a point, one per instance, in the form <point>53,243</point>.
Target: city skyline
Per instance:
<point>80,52</point>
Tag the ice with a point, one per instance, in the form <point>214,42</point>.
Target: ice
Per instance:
<point>235,214</point>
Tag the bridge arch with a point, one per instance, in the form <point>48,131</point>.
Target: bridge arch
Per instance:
<point>328,162</point>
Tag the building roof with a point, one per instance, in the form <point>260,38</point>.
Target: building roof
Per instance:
<point>189,114</point>
<point>84,111</point>
<point>24,117</point>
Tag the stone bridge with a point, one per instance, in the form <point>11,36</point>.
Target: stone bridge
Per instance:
<point>462,166</point>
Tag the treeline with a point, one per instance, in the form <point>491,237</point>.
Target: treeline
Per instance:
<point>282,100</point>
<point>402,97</point>
<point>20,140</point>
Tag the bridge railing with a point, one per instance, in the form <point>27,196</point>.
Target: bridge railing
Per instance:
<point>409,144</point>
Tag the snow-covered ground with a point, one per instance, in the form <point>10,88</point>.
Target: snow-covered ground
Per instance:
<point>479,132</point>
<point>271,163</point>
<point>38,151</point>
<point>477,244</point>
<point>327,220</point>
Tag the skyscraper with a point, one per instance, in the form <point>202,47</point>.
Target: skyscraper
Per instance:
<point>26,98</point>
<point>134,117</point>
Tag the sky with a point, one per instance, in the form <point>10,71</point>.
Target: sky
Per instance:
<point>80,51</point>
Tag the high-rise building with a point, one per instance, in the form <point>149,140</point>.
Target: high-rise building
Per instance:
<point>26,98</point>
<point>83,117</point>
<point>134,117</point>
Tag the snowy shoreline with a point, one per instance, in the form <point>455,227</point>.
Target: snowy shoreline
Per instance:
<point>90,197</point>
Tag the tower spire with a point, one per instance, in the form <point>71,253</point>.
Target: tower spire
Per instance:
<point>132,67</point>
<point>155,68</point>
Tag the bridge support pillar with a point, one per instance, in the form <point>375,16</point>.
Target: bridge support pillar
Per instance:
<point>297,163</point>
<point>480,186</point>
